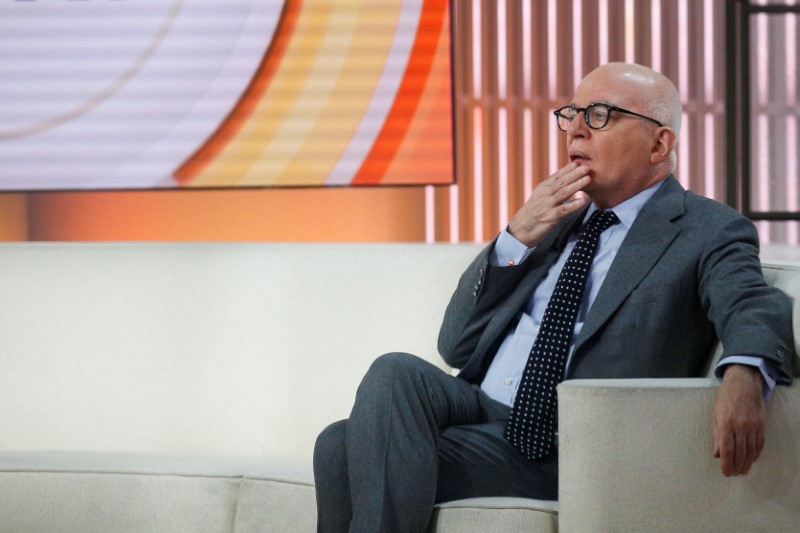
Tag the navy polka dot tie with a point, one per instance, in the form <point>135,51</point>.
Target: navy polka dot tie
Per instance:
<point>531,426</point>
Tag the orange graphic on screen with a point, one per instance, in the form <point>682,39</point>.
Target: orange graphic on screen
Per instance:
<point>345,92</point>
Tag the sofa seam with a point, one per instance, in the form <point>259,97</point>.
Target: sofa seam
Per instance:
<point>238,504</point>
<point>119,473</point>
<point>240,477</point>
<point>282,481</point>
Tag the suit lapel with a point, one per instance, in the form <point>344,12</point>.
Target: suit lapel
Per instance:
<point>647,240</point>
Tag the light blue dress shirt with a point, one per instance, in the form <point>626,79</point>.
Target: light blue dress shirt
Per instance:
<point>504,374</point>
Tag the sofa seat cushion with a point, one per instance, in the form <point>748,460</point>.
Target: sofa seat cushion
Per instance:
<point>279,495</point>
<point>100,492</point>
<point>292,492</point>
<point>82,493</point>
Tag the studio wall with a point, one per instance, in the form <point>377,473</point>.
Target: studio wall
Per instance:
<point>514,63</point>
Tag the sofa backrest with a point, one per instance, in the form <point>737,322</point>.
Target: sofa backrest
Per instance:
<point>196,349</point>
<point>199,349</point>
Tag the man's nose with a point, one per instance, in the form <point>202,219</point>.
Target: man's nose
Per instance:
<point>577,126</point>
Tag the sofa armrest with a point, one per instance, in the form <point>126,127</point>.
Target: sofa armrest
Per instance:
<point>636,455</point>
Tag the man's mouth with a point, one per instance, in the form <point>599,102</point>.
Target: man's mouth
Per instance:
<point>579,157</point>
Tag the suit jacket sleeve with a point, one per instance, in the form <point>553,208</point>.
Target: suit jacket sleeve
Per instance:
<point>750,317</point>
<point>481,289</point>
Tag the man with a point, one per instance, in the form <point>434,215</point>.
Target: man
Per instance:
<point>660,274</point>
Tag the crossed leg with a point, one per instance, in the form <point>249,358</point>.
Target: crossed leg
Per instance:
<point>417,436</point>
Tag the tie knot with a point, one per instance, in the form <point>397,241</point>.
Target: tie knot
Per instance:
<point>600,221</point>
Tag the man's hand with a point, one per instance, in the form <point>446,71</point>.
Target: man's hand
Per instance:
<point>739,419</point>
<point>552,199</point>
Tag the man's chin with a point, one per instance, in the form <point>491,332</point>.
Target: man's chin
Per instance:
<point>590,189</point>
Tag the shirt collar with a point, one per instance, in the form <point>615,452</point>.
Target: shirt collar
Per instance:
<point>628,210</point>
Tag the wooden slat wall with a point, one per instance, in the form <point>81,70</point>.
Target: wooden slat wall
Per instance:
<point>517,60</point>
<point>775,183</point>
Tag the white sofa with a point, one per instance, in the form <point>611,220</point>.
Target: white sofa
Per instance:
<point>180,387</point>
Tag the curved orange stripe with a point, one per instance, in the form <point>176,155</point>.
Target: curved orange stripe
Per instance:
<point>249,99</point>
<point>432,16</point>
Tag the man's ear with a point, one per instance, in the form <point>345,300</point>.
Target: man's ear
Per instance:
<point>664,144</point>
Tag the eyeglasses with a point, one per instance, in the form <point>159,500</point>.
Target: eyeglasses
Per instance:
<point>596,115</point>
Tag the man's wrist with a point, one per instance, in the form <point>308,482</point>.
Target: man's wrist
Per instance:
<point>521,235</point>
<point>751,373</point>
<point>508,250</point>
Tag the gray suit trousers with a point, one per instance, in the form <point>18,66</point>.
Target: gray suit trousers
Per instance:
<point>418,436</point>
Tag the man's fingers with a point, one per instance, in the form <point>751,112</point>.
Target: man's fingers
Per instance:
<point>550,201</point>
<point>715,438</point>
<point>759,442</point>
<point>740,453</point>
<point>737,450</point>
<point>568,189</point>
<point>752,454</point>
<point>573,204</point>
<point>565,190</point>
<point>738,420</point>
<point>726,451</point>
<point>568,175</point>
<point>566,169</point>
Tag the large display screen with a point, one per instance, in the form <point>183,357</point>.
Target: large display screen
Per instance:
<point>133,94</point>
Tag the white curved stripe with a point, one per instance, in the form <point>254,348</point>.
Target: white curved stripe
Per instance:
<point>245,37</point>
<point>383,97</point>
<point>161,114</point>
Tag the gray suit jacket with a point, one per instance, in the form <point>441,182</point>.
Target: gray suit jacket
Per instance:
<point>687,273</point>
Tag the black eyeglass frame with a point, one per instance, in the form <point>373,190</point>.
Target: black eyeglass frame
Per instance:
<point>585,110</point>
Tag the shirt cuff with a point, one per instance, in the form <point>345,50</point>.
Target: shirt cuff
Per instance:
<point>508,251</point>
<point>768,371</point>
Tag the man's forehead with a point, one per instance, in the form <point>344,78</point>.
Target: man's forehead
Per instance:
<point>613,84</point>
<point>606,101</point>
<point>606,92</point>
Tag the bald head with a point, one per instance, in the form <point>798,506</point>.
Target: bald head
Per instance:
<point>656,95</point>
<point>646,91</point>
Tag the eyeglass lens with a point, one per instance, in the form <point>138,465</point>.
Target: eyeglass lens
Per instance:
<point>596,116</point>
